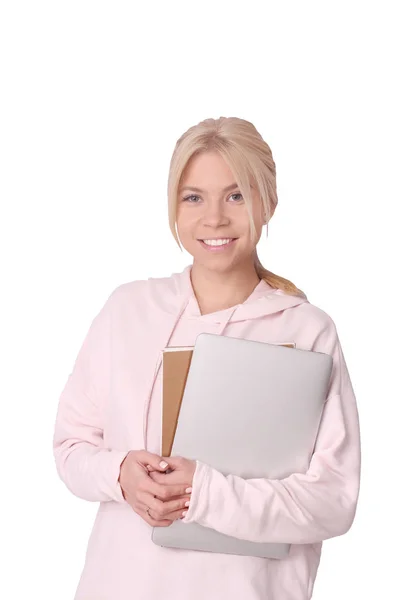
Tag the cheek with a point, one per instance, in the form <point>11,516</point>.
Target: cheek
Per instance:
<point>181,226</point>
<point>186,226</point>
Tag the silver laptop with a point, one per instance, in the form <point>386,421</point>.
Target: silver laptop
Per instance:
<point>250,409</point>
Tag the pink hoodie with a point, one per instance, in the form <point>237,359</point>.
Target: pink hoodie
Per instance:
<point>111,404</point>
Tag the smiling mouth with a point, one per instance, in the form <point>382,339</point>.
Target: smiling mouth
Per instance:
<point>217,243</point>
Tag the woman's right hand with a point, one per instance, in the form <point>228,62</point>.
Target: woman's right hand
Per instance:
<point>166,502</point>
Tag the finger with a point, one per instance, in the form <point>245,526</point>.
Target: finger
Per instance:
<point>169,517</point>
<point>174,506</point>
<point>163,491</point>
<point>155,461</point>
<point>180,514</point>
<point>150,501</point>
<point>153,522</point>
<point>158,470</point>
<point>156,520</point>
<point>140,507</point>
<point>179,497</point>
<point>151,470</point>
<point>147,501</point>
<point>175,462</point>
<point>153,518</point>
<point>160,509</point>
<point>173,478</point>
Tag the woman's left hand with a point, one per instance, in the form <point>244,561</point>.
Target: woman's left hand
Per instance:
<point>182,472</point>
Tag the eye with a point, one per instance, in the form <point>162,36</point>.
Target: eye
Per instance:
<point>187,198</point>
<point>237,194</point>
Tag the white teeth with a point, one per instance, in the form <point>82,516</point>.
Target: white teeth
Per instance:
<point>217,242</point>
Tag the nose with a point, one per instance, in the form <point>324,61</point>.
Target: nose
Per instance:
<point>214,215</point>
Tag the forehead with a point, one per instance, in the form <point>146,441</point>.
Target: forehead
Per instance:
<point>207,169</point>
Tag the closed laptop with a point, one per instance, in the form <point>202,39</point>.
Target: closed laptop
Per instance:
<point>250,409</point>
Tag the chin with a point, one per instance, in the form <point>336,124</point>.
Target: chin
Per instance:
<point>218,264</point>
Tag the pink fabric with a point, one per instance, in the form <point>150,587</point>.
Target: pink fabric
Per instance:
<point>111,403</point>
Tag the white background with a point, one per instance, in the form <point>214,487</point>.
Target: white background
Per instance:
<point>94,96</point>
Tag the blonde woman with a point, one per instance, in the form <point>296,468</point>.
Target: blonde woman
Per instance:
<point>221,192</point>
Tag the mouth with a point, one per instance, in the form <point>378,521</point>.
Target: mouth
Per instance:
<point>217,244</point>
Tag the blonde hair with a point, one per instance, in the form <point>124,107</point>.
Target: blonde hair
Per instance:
<point>250,160</point>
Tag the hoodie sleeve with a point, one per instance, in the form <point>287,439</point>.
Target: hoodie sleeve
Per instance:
<point>88,468</point>
<point>303,507</point>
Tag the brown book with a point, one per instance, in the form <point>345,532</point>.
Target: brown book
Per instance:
<point>176,365</point>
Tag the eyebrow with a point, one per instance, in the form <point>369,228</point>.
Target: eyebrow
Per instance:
<point>233,186</point>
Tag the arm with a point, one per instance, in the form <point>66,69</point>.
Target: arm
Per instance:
<point>85,465</point>
<point>302,508</point>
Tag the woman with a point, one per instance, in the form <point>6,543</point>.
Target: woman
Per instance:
<point>222,191</point>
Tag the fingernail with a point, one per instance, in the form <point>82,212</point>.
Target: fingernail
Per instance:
<point>187,503</point>
<point>188,490</point>
<point>163,464</point>
<point>185,512</point>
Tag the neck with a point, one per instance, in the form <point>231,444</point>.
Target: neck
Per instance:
<point>216,290</point>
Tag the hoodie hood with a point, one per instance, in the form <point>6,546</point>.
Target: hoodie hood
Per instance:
<point>263,300</point>
<point>175,295</point>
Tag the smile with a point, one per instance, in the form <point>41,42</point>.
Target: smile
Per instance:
<point>217,245</point>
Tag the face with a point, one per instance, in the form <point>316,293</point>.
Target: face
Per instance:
<point>211,207</point>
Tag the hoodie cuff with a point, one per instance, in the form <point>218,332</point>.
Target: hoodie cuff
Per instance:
<point>113,470</point>
<point>199,496</point>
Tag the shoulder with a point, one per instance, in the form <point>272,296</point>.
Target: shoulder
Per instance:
<point>158,293</point>
<point>315,315</point>
<point>316,327</point>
